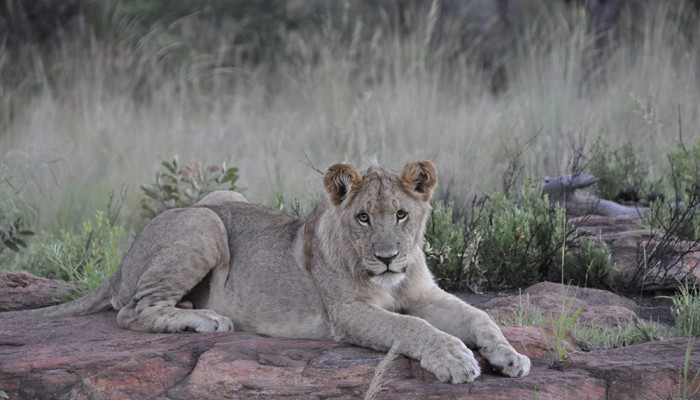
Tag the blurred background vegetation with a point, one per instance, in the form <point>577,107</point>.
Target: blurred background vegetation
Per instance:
<point>96,94</point>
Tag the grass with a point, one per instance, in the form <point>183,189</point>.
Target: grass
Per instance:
<point>598,336</point>
<point>560,325</point>
<point>383,98</point>
<point>378,382</point>
<point>686,311</point>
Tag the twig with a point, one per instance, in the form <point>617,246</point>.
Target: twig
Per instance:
<point>307,161</point>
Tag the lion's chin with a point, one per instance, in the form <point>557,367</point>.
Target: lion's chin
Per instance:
<point>388,279</point>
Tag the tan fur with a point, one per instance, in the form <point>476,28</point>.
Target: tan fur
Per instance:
<point>353,271</point>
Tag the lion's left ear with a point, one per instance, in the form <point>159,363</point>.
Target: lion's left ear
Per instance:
<point>339,180</point>
<point>420,178</point>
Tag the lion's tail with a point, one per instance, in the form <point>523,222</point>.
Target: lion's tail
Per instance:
<point>100,299</point>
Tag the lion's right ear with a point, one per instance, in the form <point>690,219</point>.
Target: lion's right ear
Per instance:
<point>339,180</point>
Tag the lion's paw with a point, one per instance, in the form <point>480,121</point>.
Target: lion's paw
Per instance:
<point>508,362</point>
<point>451,361</point>
<point>207,321</point>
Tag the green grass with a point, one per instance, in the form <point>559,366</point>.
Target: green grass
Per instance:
<point>686,311</point>
<point>560,325</point>
<point>602,336</point>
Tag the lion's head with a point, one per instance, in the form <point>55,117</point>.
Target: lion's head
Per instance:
<point>382,216</point>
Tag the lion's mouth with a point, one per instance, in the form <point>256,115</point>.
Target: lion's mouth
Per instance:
<point>387,271</point>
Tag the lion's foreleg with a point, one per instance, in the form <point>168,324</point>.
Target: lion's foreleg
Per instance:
<point>370,326</point>
<point>475,328</point>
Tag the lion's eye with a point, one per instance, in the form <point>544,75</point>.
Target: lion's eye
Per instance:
<point>401,215</point>
<point>363,218</point>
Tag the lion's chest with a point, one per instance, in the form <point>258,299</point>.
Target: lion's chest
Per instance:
<point>387,301</point>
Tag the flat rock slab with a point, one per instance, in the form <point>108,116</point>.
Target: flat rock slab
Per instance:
<point>92,358</point>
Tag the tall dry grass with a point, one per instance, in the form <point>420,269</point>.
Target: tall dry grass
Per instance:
<point>96,114</point>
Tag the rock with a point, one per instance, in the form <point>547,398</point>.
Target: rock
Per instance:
<point>22,290</point>
<point>92,358</point>
<point>548,298</point>
<point>652,370</point>
<point>640,258</point>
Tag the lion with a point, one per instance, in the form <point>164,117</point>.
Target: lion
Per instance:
<point>353,271</point>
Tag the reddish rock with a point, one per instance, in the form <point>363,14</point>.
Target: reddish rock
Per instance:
<point>22,290</point>
<point>529,340</point>
<point>92,358</point>
<point>650,370</point>
<point>548,298</point>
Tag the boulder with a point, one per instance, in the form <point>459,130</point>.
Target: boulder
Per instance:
<point>640,259</point>
<point>22,290</point>
<point>548,298</point>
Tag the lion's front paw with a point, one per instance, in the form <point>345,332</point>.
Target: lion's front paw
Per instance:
<point>507,361</point>
<point>451,361</point>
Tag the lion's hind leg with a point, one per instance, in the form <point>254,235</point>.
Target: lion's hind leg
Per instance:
<point>166,318</point>
<point>171,256</point>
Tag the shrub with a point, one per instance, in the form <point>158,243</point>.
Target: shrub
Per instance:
<point>589,265</point>
<point>675,222</point>
<point>508,243</point>
<point>182,186</point>
<point>450,255</point>
<point>520,244</point>
<point>86,257</point>
<point>622,175</point>
<point>680,218</point>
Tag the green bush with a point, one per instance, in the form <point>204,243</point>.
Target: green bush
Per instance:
<point>86,257</point>
<point>450,255</point>
<point>622,175</point>
<point>182,186</point>
<point>520,244</point>
<point>589,265</point>
<point>507,243</point>
<point>679,216</point>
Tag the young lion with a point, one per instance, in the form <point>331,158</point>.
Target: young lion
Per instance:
<point>353,271</point>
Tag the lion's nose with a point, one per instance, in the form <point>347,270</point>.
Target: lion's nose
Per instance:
<point>386,260</point>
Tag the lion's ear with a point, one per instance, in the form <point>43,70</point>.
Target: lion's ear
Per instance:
<point>420,178</point>
<point>339,180</point>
